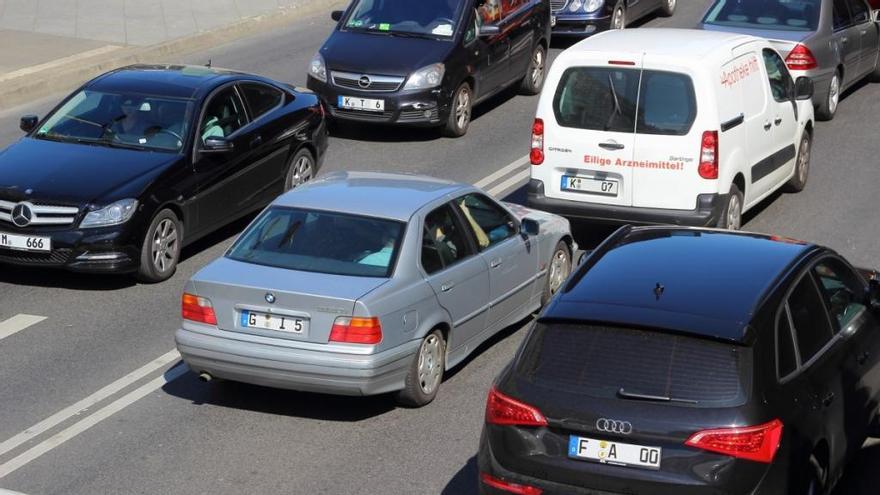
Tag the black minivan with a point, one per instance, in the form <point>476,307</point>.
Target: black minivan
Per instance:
<point>690,361</point>
<point>428,62</point>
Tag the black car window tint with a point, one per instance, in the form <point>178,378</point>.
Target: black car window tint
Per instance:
<point>809,318</point>
<point>668,105</point>
<point>446,235</point>
<point>841,16</point>
<point>431,260</point>
<point>841,289</point>
<point>261,98</point>
<point>488,221</point>
<point>860,13</point>
<point>597,99</point>
<point>780,80</point>
<point>223,115</point>
<point>786,357</point>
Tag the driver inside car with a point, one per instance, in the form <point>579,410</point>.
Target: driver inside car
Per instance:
<point>135,119</point>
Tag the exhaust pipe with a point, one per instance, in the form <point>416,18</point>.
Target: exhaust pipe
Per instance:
<point>205,377</point>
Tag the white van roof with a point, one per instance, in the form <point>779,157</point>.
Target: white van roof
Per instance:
<point>688,43</point>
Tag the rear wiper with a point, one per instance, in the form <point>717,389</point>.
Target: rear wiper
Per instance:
<point>623,394</point>
<point>617,109</point>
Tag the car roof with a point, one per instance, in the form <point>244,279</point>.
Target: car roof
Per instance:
<point>176,81</point>
<point>375,194</point>
<point>693,44</point>
<point>699,281</point>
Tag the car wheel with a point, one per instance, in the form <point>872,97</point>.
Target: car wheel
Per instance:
<point>557,271</point>
<point>534,78</point>
<point>802,166</point>
<point>460,113</point>
<point>732,217</point>
<point>300,170</point>
<point>425,373</point>
<point>828,108</point>
<point>816,478</point>
<point>618,18</point>
<point>668,8</point>
<point>161,250</point>
<point>874,76</point>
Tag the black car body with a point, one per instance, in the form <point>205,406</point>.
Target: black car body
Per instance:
<point>581,18</point>
<point>487,45</point>
<point>253,134</point>
<point>734,363</point>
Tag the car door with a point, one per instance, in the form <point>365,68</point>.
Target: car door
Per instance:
<point>458,275</point>
<point>845,39</point>
<point>778,164</point>
<point>512,259</point>
<point>271,147</point>
<point>520,20</point>
<point>496,48</point>
<point>865,31</point>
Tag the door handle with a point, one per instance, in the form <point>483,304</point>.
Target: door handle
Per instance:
<point>828,400</point>
<point>778,121</point>
<point>767,125</point>
<point>611,146</point>
<point>447,286</point>
<point>256,141</point>
<point>863,358</point>
<point>495,263</point>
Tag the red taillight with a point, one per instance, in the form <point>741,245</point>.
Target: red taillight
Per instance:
<point>502,410</point>
<point>199,309</point>
<point>801,58</point>
<point>356,330</point>
<point>499,484</point>
<point>755,443</point>
<point>709,155</point>
<point>537,154</point>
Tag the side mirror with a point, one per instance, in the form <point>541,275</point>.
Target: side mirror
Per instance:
<point>28,123</point>
<point>489,31</point>
<point>217,145</point>
<point>803,88</point>
<point>529,227</point>
<point>336,15</point>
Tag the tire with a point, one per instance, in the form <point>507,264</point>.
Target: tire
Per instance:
<point>668,8</point>
<point>460,112</point>
<point>802,167</point>
<point>828,108</point>
<point>161,249</point>
<point>425,372</point>
<point>618,17</point>
<point>533,81</point>
<point>732,216</point>
<point>874,76</point>
<point>815,483</point>
<point>301,168</point>
<point>558,270</point>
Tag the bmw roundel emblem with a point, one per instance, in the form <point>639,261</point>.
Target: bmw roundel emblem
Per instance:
<point>270,298</point>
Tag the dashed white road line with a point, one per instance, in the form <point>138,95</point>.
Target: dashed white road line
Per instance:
<point>18,323</point>
<point>502,172</point>
<point>509,183</point>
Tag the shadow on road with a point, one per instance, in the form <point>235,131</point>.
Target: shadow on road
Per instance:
<point>465,480</point>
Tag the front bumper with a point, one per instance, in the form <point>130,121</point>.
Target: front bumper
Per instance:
<point>709,210</point>
<point>223,355</point>
<point>99,250</point>
<point>579,25</point>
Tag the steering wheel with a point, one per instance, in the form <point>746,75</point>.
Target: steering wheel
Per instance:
<point>169,132</point>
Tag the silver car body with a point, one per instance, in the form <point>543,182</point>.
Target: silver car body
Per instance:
<point>470,300</point>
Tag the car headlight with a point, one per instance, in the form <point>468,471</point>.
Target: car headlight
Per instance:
<point>426,77</point>
<point>113,214</point>
<point>585,5</point>
<point>317,68</point>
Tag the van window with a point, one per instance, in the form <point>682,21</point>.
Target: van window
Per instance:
<point>782,15</point>
<point>610,99</point>
<point>781,84</point>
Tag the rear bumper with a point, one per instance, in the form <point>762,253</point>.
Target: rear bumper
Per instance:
<point>708,211</point>
<point>580,25</point>
<point>224,356</point>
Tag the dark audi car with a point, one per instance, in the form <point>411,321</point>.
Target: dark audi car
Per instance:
<point>143,160</point>
<point>690,361</point>
<point>428,62</point>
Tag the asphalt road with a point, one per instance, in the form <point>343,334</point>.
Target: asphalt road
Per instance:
<point>63,432</point>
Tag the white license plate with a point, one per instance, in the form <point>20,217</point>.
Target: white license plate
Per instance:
<point>591,185</point>
<point>279,323</point>
<point>356,103</point>
<point>616,453</point>
<point>25,242</point>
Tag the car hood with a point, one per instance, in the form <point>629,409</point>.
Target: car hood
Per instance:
<point>76,173</point>
<point>348,51</point>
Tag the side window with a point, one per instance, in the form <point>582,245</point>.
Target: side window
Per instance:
<point>489,222</point>
<point>781,83</point>
<point>261,98</point>
<point>860,13</point>
<point>224,115</point>
<point>786,356</point>
<point>841,18</point>
<point>841,289</point>
<point>809,318</point>
<point>444,243</point>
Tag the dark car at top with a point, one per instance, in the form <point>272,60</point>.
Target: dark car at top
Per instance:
<point>581,18</point>
<point>428,62</point>
<point>690,361</point>
<point>144,160</point>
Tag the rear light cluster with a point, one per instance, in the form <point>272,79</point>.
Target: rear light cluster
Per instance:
<point>355,330</point>
<point>503,410</point>
<point>754,443</point>
<point>537,154</point>
<point>198,309</point>
<point>508,487</point>
<point>801,58</point>
<point>709,155</point>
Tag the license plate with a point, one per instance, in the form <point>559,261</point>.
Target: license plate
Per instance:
<point>605,187</point>
<point>279,323</point>
<point>25,243</point>
<point>356,103</point>
<point>552,21</point>
<point>615,453</point>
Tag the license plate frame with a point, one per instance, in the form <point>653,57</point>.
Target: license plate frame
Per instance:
<point>614,453</point>
<point>29,243</point>
<point>590,185</point>
<point>260,320</point>
<point>358,103</point>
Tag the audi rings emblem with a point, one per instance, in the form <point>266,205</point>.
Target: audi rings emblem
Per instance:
<point>614,426</point>
<point>23,214</point>
<point>270,298</point>
<point>365,82</point>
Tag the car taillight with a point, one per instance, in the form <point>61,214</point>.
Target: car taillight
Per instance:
<point>537,154</point>
<point>198,309</point>
<point>354,330</point>
<point>709,155</point>
<point>755,443</point>
<point>801,58</point>
<point>503,410</point>
<point>506,486</point>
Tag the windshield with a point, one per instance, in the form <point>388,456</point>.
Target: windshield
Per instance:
<point>322,242</point>
<point>782,15</point>
<point>120,120</point>
<point>434,18</point>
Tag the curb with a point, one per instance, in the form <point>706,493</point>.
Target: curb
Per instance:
<point>65,77</point>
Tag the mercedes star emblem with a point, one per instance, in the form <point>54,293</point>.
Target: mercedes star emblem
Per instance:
<point>23,214</point>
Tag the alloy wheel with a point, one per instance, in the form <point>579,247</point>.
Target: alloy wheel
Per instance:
<point>538,67</point>
<point>734,213</point>
<point>560,267</point>
<point>803,160</point>
<point>430,364</point>
<point>670,5</point>
<point>164,245</point>
<point>618,21</point>
<point>834,94</point>
<point>302,171</point>
<point>463,108</point>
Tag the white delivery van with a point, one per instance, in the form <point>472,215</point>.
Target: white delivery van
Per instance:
<point>672,126</point>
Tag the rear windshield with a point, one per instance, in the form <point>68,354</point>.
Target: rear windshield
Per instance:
<point>778,15</point>
<point>599,361</point>
<point>323,242</point>
<point>624,100</point>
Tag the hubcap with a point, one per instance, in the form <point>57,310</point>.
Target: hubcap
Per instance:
<point>671,4</point>
<point>804,161</point>
<point>834,94</point>
<point>463,108</point>
<point>537,67</point>
<point>734,214</point>
<point>430,364</point>
<point>618,21</point>
<point>560,267</point>
<point>302,171</point>
<point>164,245</point>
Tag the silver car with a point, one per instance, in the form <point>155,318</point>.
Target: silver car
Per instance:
<point>368,283</point>
<point>834,42</point>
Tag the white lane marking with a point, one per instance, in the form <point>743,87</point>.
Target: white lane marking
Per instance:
<point>100,415</point>
<point>509,183</point>
<point>83,405</point>
<point>9,492</point>
<point>61,61</point>
<point>502,172</point>
<point>18,323</point>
